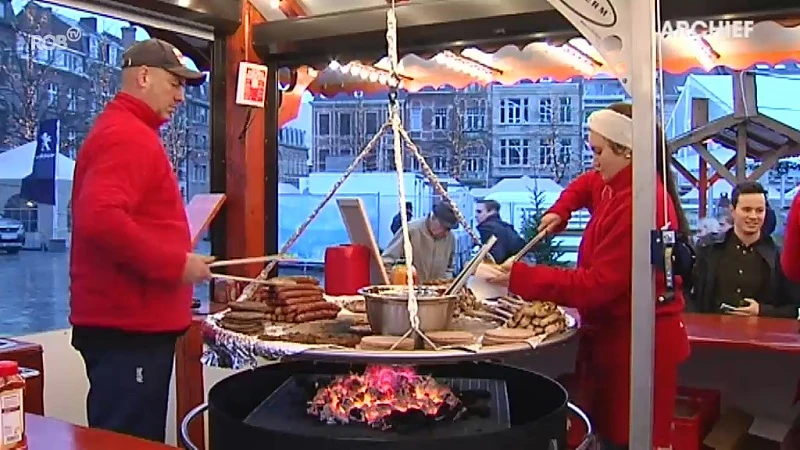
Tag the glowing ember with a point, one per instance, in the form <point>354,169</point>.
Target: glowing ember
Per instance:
<point>380,394</point>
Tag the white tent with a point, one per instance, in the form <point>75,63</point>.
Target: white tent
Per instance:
<point>515,196</point>
<point>16,164</point>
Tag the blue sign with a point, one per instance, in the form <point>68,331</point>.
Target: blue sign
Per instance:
<point>40,185</point>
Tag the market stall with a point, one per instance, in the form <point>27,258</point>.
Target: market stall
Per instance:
<point>235,347</point>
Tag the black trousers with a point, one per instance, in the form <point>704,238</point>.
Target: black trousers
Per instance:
<point>129,388</point>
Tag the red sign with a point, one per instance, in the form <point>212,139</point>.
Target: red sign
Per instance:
<point>251,88</point>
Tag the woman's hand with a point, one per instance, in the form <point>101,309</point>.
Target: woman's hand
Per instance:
<point>500,275</point>
<point>549,222</point>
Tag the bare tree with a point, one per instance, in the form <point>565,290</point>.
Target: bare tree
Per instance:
<point>28,73</point>
<point>557,151</point>
<point>466,132</point>
<point>175,136</point>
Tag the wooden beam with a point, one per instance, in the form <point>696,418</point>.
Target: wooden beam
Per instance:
<point>707,131</point>
<point>744,94</point>
<point>770,161</point>
<point>685,172</point>
<point>741,152</point>
<point>292,9</point>
<point>699,119</point>
<point>244,149</point>
<point>716,177</point>
<point>718,166</point>
<point>779,127</point>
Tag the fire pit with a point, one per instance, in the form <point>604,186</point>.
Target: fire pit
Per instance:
<point>342,406</point>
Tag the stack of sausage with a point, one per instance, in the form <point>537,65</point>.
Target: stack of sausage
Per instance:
<point>296,300</point>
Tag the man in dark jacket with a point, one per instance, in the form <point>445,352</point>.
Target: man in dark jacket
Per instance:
<point>508,242</point>
<point>397,222</point>
<point>739,271</point>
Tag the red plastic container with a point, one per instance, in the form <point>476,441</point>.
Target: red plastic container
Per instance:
<point>691,429</point>
<point>346,269</point>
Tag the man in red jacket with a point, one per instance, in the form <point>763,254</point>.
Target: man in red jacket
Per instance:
<point>131,263</point>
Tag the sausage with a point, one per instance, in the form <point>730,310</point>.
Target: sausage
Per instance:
<point>306,307</point>
<point>316,315</point>
<point>296,288</point>
<point>296,300</point>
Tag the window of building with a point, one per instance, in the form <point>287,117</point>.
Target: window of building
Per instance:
<point>440,119</point>
<point>52,93</point>
<point>545,110</point>
<point>324,124</point>
<point>565,110</point>
<point>514,111</point>
<point>514,152</point>
<point>565,151</point>
<point>416,120</point>
<point>475,119</point>
<point>546,152</point>
<point>72,99</point>
<point>345,124</point>
<point>371,123</point>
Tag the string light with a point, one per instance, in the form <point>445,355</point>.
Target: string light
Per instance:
<point>465,66</point>
<point>367,73</point>
<point>703,51</point>
<point>275,4</point>
<point>573,57</point>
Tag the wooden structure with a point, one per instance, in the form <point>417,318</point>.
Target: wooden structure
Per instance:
<point>745,131</point>
<point>244,145</point>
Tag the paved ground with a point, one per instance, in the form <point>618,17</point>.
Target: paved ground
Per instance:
<point>34,289</point>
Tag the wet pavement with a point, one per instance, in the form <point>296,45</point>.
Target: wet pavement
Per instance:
<point>34,291</point>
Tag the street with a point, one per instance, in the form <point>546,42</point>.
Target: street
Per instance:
<point>34,291</point>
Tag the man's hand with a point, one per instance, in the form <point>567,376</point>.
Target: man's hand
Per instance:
<point>549,222</point>
<point>752,308</point>
<point>196,268</point>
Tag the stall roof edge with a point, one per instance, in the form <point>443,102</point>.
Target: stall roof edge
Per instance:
<point>426,28</point>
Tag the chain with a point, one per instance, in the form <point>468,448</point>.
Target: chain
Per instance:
<point>426,170</point>
<point>250,289</point>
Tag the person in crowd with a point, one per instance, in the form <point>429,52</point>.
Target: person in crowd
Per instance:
<point>396,220</point>
<point>509,242</point>
<point>790,258</point>
<point>432,241</point>
<point>600,286</point>
<point>131,262</point>
<point>738,271</point>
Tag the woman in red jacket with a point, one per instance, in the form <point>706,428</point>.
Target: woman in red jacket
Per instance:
<point>600,286</point>
<point>790,257</point>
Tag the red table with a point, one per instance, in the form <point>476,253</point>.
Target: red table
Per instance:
<point>45,433</point>
<point>755,333</point>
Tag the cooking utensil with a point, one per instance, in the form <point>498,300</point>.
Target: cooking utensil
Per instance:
<point>235,278</point>
<point>253,260</point>
<point>461,280</point>
<point>529,245</point>
<point>387,309</point>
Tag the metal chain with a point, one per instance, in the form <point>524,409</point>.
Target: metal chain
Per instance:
<point>426,170</point>
<point>250,289</point>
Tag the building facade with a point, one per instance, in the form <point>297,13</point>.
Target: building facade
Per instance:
<point>452,128</point>
<point>292,155</point>
<point>536,131</point>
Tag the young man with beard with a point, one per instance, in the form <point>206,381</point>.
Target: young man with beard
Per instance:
<point>739,271</point>
<point>509,242</point>
<point>131,263</point>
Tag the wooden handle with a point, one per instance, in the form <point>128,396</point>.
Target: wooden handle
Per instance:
<point>253,260</point>
<point>235,278</point>
<point>529,245</point>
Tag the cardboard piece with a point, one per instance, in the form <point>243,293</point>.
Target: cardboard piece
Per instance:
<point>355,219</point>
<point>730,431</point>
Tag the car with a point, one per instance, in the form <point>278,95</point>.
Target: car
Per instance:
<point>12,235</point>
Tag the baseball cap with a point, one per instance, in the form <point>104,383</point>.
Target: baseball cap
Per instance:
<point>161,54</point>
<point>445,214</point>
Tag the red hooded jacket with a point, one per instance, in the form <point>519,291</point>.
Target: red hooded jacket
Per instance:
<point>130,232</point>
<point>600,288</point>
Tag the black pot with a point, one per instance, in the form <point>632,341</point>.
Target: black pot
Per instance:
<point>537,409</point>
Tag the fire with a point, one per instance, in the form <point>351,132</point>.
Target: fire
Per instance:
<point>380,393</point>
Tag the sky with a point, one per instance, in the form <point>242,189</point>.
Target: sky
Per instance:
<point>115,26</point>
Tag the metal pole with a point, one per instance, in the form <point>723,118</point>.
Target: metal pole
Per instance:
<point>642,84</point>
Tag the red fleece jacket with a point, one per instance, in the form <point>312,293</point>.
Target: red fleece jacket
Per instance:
<point>130,234</point>
<point>790,257</point>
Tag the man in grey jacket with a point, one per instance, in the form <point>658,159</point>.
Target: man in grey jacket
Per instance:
<point>432,242</point>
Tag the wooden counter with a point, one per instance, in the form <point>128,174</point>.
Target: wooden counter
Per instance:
<point>45,433</point>
<point>737,332</point>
